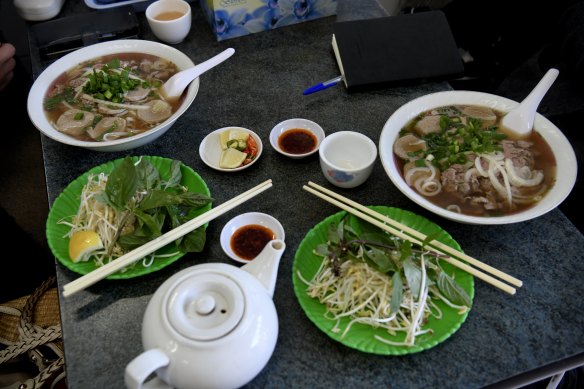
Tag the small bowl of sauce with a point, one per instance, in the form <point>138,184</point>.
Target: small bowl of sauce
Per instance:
<point>246,235</point>
<point>296,138</point>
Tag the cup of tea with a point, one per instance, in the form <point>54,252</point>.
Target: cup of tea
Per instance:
<point>347,158</point>
<point>169,20</point>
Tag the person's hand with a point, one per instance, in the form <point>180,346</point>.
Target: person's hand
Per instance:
<point>7,63</point>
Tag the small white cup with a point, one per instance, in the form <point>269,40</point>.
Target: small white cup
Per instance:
<point>169,20</point>
<point>347,158</point>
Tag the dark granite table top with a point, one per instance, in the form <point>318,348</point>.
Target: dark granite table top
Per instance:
<point>258,87</point>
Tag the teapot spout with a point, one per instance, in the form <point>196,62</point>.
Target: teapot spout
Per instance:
<point>264,267</point>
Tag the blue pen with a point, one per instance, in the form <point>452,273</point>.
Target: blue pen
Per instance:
<point>323,85</point>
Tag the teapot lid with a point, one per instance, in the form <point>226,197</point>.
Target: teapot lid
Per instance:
<point>205,306</point>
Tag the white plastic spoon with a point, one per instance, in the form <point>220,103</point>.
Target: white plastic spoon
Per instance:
<point>175,85</point>
<point>520,119</point>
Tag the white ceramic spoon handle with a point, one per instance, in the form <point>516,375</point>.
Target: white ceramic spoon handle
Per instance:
<point>534,98</point>
<point>177,83</point>
<point>521,118</point>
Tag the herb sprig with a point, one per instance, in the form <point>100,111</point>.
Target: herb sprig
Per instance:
<point>161,206</point>
<point>457,140</point>
<point>353,239</point>
<point>67,95</point>
<point>111,82</point>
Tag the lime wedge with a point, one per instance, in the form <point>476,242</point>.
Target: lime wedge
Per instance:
<point>228,135</point>
<point>223,138</point>
<point>238,134</point>
<point>232,158</point>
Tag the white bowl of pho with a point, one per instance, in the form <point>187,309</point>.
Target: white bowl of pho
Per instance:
<point>105,96</point>
<point>446,152</point>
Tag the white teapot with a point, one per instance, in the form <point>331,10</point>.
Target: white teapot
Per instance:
<point>210,326</point>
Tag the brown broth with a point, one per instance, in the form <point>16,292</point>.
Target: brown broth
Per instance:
<point>297,141</point>
<point>248,241</point>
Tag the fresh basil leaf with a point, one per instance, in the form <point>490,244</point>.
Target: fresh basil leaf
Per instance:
<point>380,258</point>
<point>397,292</point>
<point>349,232</point>
<point>322,250</point>
<point>148,175</point>
<point>194,241</point>
<point>378,237</point>
<point>406,250</point>
<point>131,241</point>
<point>159,198</point>
<point>340,231</point>
<point>361,226</point>
<point>174,215</point>
<point>192,199</point>
<point>121,184</point>
<point>175,175</point>
<point>413,276</point>
<point>433,236</point>
<point>332,235</point>
<point>151,222</point>
<point>452,291</point>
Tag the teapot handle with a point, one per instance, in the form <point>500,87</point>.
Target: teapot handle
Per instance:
<point>142,366</point>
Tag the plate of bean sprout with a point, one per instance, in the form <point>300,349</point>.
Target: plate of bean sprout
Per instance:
<point>376,293</point>
<point>122,204</point>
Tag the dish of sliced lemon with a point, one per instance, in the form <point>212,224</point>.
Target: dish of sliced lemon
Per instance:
<point>230,149</point>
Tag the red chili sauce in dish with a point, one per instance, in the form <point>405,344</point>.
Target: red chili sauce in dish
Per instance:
<point>297,141</point>
<point>248,241</point>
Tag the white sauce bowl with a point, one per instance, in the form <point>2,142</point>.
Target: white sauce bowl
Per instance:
<point>247,219</point>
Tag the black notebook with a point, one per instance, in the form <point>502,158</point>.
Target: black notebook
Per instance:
<point>396,50</point>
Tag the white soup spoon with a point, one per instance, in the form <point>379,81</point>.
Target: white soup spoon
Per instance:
<point>175,85</point>
<point>520,119</point>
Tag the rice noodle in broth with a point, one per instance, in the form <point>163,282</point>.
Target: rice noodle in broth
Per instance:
<point>461,160</point>
<point>111,97</point>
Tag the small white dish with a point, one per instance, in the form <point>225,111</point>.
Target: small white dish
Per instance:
<point>210,149</point>
<point>297,123</point>
<point>247,219</point>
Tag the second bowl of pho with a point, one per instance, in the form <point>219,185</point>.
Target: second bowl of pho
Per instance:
<point>106,96</point>
<point>447,152</point>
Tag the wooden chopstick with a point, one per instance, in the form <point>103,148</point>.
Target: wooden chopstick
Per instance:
<point>398,229</point>
<point>172,235</point>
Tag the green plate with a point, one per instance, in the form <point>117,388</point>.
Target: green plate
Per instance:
<point>360,336</point>
<point>67,204</point>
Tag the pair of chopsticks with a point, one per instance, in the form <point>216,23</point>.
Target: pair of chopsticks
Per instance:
<point>172,235</point>
<point>407,233</point>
